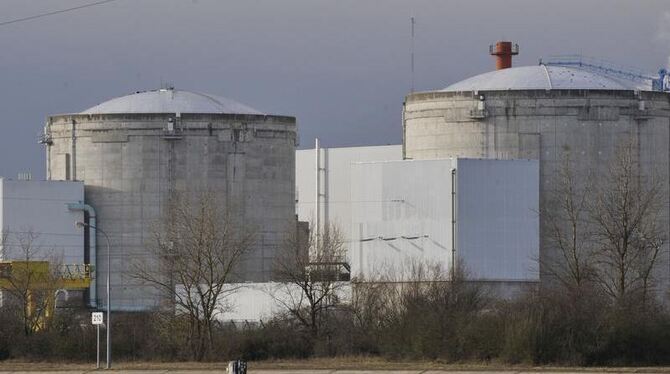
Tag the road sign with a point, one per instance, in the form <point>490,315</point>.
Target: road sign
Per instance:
<point>96,318</point>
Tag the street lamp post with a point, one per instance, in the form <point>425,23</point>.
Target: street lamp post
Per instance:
<point>109,305</point>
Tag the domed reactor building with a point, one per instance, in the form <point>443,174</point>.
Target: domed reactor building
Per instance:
<point>568,104</point>
<point>135,151</point>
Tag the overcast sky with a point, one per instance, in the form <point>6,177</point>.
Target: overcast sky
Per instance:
<point>341,67</point>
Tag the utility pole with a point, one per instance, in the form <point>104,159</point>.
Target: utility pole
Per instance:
<point>109,304</point>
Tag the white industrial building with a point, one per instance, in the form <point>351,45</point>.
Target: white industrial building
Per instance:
<point>394,212</point>
<point>481,213</point>
<point>330,168</point>
<point>254,302</point>
<point>35,221</point>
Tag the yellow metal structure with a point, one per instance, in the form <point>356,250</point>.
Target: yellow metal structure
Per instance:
<point>40,275</point>
<point>33,278</point>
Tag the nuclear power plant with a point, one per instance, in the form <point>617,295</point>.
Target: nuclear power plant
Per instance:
<point>564,105</point>
<point>469,184</point>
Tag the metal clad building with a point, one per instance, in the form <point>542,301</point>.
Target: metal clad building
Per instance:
<point>497,220</point>
<point>394,213</point>
<point>481,213</point>
<point>334,176</point>
<point>134,152</point>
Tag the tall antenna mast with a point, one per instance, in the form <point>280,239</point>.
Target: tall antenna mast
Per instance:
<point>412,52</point>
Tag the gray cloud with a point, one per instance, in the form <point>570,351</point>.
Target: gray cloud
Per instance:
<point>342,67</point>
<point>664,33</point>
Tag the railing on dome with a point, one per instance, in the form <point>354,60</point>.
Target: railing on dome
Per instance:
<point>514,49</point>
<point>656,83</point>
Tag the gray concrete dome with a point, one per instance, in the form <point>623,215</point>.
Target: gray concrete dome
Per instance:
<point>135,152</point>
<point>170,101</point>
<point>543,113</point>
<point>542,77</point>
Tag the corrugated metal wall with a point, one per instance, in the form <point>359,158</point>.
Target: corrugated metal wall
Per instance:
<point>497,221</point>
<point>402,216</point>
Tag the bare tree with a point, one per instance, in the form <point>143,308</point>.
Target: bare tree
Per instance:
<point>28,279</point>
<point>566,216</point>
<point>430,311</point>
<point>196,252</point>
<point>312,269</point>
<point>627,226</point>
<point>370,304</point>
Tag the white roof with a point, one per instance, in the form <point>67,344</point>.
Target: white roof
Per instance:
<point>170,101</point>
<point>542,77</point>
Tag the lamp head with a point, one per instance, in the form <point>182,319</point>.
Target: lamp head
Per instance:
<point>80,224</point>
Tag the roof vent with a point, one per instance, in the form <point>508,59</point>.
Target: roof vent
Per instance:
<point>503,52</point>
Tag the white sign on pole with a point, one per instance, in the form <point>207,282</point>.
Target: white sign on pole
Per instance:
<point>96,318</point>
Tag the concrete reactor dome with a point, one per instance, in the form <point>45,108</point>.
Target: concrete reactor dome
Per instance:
<point>579,109</point>
<point>544,77</point>
<point>136,153</point>
<point>170,100</point>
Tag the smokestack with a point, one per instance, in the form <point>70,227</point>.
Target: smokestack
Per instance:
<point>504,52</point>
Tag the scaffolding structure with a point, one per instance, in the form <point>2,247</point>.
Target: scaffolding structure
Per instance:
<point>661,82</point>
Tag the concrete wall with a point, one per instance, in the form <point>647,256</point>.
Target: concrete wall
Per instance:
<point>403,217</point>
<point>131,164</point>
<point>543,125</point>
<point>37,210</point>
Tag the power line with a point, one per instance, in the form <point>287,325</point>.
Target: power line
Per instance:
<point>54,12</point>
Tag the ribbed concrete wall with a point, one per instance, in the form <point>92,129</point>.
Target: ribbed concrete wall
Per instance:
<point>542,124</point>
<point>131,163</point>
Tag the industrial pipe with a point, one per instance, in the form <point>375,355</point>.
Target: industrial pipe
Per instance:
<point>93,251</point>
<point>316,190</point>
<point>453,224</point>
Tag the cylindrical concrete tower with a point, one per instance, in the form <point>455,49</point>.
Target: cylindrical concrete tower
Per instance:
<point>134,151</point>
<point>539,112</point>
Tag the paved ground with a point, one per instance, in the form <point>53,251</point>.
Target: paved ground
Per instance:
<point>316,371</point>
<point>344,365</point>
